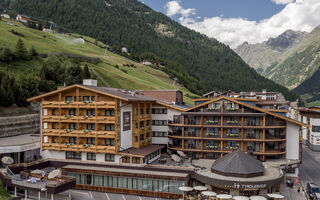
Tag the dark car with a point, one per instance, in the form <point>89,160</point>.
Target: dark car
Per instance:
<point>312,189</point>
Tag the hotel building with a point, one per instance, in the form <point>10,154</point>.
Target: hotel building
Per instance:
<point>111,140</point>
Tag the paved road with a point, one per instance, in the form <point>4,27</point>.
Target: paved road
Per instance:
<point>310,167</point>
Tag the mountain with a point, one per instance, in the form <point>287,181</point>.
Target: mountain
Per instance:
<point>111,71</point>
<point>200,63</point>
<point>262,55</point>
<point>298,63</point>
<point>310,89</point>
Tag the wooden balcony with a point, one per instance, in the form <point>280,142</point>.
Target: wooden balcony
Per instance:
<point>81,104</point>
<point>79,148</point>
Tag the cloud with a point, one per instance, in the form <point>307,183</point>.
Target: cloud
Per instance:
<point>282,2</point>
<point>174,8</point>
<point>301,15</point>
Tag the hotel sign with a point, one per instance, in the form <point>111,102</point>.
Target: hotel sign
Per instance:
<point>246,186</point>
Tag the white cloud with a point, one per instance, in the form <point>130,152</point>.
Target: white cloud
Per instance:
<point>301,15</point>
<point>174,8</point>
<point>282,2</point>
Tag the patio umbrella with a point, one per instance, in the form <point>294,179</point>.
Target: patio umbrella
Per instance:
<point>240,198</point>
<point>176,158</point>
<point>200,188</point>
<point>275,196</point>
<point>37,171</point>
<point>185,189</point>
<point>54,173</point>
<point>257,198</point>
<point>209,193</point>
<point>181,154</point>
<point>224,196</point>
<point>7,160</point>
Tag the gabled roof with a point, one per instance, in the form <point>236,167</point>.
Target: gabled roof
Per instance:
<point>113,92</point>
<point>249,106</point>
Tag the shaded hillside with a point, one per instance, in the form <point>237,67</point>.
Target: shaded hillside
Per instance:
<point>310,89</point>
<point>262,55</point>
<point>200,63</point>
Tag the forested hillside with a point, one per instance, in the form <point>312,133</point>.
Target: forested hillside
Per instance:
<point>200,63</point>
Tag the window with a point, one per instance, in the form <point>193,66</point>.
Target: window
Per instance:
<point>141,111</point>
<point>109,157</point>
<point>73,140</point>
<point>68,99</point>
<point>177,119</point>
<point>98,98</point>
<point>93,98</point>
<point>74,98</point>
<point>136,137</point>
<point>73,126</point>
<point>54,139</point>
<point>54,125</point>
<point>126,121</point>
<point>159,111</point>
<point>54,112</point>
<point>91,112</point>
<point>109,142</point>
<point>72,112</point>
<point>148,135</point>
<point>316,128</point>
<point>109,112</point>
<point>86,98</point>
<point>91,141</point>
<point>91,127</point>
<point>91,156</point>
<point>109,127</point>
<point>73,155</point>
<point>159,122</point>
<point>148,124</point>
<point>148,111</point>
<point>141,138</point>
<point>159,134</point>
<point>45,112</point>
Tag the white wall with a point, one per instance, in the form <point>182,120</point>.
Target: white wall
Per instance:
<point>53,154</point>
<point>314,136</point>
<point>125,136</point>
<point>292,143</point>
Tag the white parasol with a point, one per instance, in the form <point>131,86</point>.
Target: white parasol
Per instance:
<point>176,158</point>
<point>224,196</point>
<point>185,189</point>
<point>200,188</point>
<point>275,196</point>
<point>257,198</point>
<point>37,171</point>
<point>7,160</point>
<point>181,154</point>
<point>240,198</point>
<point>209,193</point>
<point>54,173</point>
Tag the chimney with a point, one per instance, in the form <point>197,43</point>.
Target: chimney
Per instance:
<point>90,82</point>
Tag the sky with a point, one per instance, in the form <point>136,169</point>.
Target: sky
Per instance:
<point>236,21</point>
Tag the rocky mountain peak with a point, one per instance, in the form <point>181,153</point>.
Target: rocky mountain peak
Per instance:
<point>286,40</point>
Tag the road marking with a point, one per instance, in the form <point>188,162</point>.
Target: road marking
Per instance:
<point>107,196</point>
<point>91,195</point>
<point>124,198</point>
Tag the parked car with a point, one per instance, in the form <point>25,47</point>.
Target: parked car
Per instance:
<point>311,190</point>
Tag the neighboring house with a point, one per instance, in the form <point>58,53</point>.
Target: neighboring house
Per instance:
<point>47,30</point>
<point>124,50</point>
<point>25,19</point>
<point>311,136</point>
<point>145,62</point>
<point>5,16</point>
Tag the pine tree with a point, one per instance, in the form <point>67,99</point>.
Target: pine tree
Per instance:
<point>6,54</point>
<point>21,51</point>
<point>86,71</point>
<point>3,96</point>
<point>10,96</point>
<point>33,52</point>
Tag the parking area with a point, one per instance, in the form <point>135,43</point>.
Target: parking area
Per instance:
<point>88,195</point>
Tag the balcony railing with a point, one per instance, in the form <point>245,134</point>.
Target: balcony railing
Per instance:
<point>179,133</point>
<point>192,146</point>
<point>212,110</point>
<point>211,147</point>
<point>232,110</point>
<point>275,137</point>
<point>276,123</point>
<point>211,134</point>
<point>193,134</point>
<point>232,135</point>
<point>211,122</point>
<point>192,122</point>
<point>230,148</point>
<point>232,123</point>
<point>253,123</point>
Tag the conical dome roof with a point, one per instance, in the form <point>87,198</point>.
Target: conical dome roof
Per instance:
<point>238,164</point>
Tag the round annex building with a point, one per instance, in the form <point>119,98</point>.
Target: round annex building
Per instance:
<point>238,173</point>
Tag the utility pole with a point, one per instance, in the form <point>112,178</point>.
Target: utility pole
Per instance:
<point>174,81</point>
<point>50,26</point>
<point>106,52</point>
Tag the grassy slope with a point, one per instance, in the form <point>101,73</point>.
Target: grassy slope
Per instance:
<point>141,77</point>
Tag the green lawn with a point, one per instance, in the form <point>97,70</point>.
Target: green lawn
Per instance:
<point>141,77</point>
<point>3,194</point>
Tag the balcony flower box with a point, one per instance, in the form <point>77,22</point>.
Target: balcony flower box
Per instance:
<point>212,122</point>
<point>68,144</point>
<point>68,130</point>
<point>67,102</point>
<point>85,116</point>
<point>232,134</point>
<point>148,126</point>
<point>232,109</point>
<point>212,134</point>
<point>86,145</point>
<point>67,116</point>
<point>87,131</point>
<point>211,147</point>
<point>232,148</point>
<point>141,128</point>
<point>233,122</point>
<point>212,108</point>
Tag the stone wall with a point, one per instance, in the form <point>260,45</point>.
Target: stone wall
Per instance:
<point>17,125</point>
